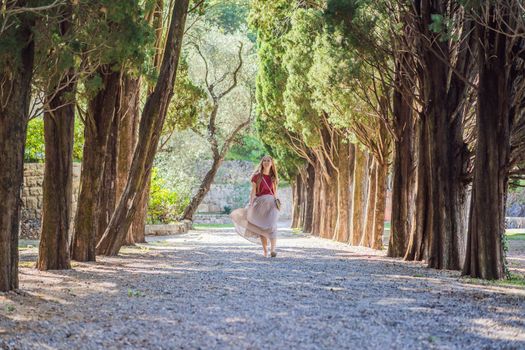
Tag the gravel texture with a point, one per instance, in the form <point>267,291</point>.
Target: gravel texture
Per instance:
<point>213,290</point>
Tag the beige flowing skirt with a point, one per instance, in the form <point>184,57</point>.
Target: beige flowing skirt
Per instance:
<point>257,220</point>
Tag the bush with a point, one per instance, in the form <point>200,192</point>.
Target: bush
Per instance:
<point>251,149</point>
<point>35,149</point>
<point>164,206</point>
<point>227,209</point>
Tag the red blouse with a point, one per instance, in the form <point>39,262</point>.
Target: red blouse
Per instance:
<point>264,187</point>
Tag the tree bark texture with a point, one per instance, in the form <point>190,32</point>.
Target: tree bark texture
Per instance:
<point>119,151</point>
<point>418,243</point>
<point>367,236</point>
<point>297,201</point>
<point>59,121</point>
<point>151,124</point>
<point>101,112</point>
<point>317,198</point>
<point>484,253</point>
<point>351,185</point>
<point>309,198</point>
<point>139,221</point>
<point>15,92</point>
<point>359,195</point>
<point>380,205</point>
<point>127,114</point>
<point>342,227</point>
<point>443,94</point>
<point>403,176</point>
<point>107,198</point>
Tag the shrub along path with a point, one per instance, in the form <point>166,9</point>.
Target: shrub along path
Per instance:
<point>211,289</point>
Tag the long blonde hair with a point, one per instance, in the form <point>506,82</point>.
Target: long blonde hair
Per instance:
<point>273,171</point>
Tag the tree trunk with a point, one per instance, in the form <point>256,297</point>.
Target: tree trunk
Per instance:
<point>119,151</point>
<point>443,93</point>
<point>139,222</point>
<point>302,199</point>
<point>318,197</point>
<point>380,205</point>
<point>329,210</point>
<point>297,187</point>
<point>101,112</point>
<point>128,112</point>
<point>484,254</point>
<point>418,243</point>
<point>204,187</point>
<point>351,184</point>
<point>367,237</point>
<point>309,199</point>
<point>403,177</point>
<point>359,196</point>
<point>138,227</point>
<point>53,251</point>
<point>59,122</point>
<point>151,124</point>
<point>341,232</point>
<point>15,92</point>
<point>108,197</point>
<point>448,190</point>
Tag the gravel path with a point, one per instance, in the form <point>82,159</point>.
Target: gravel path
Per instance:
<point>213,290</point>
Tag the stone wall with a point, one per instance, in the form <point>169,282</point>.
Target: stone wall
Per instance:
<point>231,190</point>
<point>32,198</point>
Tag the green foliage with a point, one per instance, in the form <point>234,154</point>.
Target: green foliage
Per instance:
<point>229,15</point>
<point>227,209</point>
<point>319,66</point>
<point>34,151</point>
<point>249,148</point>
<point>135,293</point>
<point>10,308</point>
<point>35,146</point>
<point>512,280</point>
<point>515,237</point>
<point>188,102</point>
<point>444,27</point>
<point>111,33</point>
<point>164,206</point>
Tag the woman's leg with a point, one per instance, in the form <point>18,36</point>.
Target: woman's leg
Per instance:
<point>273,243</point>
<point>264,241</point>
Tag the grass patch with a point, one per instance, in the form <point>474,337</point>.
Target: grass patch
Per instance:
<point>387,225</point>
<point>207,226</point>
<point>297,230</point>
<point>26,264</point>
<point>516,236</point>
<point>25,244</point>
<point>513,281</point>
<point>135,293</point>
<point>10,308</point>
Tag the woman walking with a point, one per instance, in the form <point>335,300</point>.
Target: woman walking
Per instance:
<point>258,222</point>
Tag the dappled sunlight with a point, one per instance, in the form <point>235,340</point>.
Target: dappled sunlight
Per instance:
<point>502,331</point>
<point>213,286</point>
<point>395,301</point>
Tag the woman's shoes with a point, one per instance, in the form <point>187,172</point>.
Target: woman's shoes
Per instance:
<point>273,254</point>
